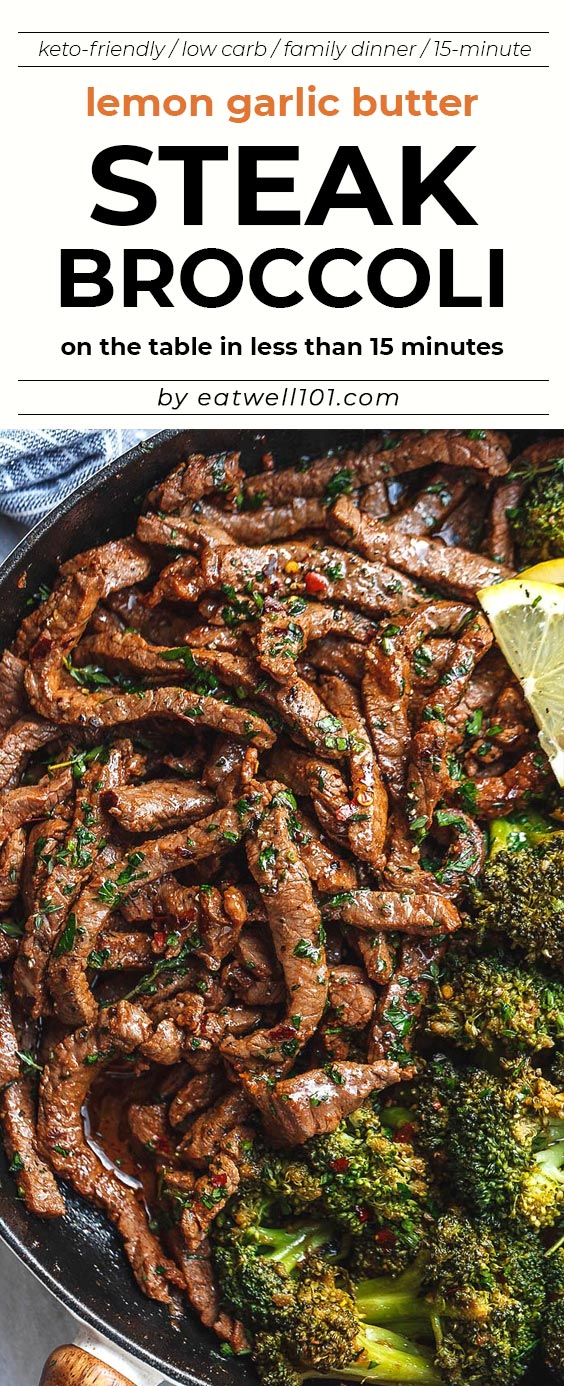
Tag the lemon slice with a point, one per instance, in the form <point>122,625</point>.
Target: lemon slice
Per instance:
<point>527,618</point>
<point>550,571</point>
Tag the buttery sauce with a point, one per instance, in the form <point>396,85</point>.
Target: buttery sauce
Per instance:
<point>106,1130</point>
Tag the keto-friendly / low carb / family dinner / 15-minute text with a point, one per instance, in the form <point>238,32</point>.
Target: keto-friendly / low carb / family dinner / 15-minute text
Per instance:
<point>282,905</point>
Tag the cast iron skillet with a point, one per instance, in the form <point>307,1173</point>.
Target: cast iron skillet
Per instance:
<point>80,1257</point>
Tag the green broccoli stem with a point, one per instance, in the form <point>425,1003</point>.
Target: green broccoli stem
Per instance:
<point>395,1117</point>
<point>550,1161</point>
<point>527,828</point>
<point>289,1248</point>
<point>386,1357</point>
<point>386,1300</point>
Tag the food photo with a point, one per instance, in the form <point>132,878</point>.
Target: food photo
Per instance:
<point>282,903</point>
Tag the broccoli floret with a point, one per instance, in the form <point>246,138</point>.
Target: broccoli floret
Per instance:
<point>366,1178</point>
<point>379,1356</point>
<point>478,1293</point>
<point>486,1002</point>
<point>464,1313</point>
<point>520,897</point>
<point>288,1182</point>
<point>537,522</point>
<point>256,1265</point>
<point>365,1191</point>
<point>498,1142</point>
<point>375,1187</point>
<point>300,1310</point>
<point>275,1185</point>
<point>552,1334</point>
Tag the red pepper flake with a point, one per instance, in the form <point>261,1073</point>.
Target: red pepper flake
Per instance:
<point>340,1165</point>
<point>159,939</point>
<point>218,1180</point>
<point>162,1145</point>
<point>343,812</point>
<point>189,915</point>
<point>283,1032</point>
<point>362,1214</point>
<point>385,1237</point>
<point>405,1132</point>
<point>315,584</point>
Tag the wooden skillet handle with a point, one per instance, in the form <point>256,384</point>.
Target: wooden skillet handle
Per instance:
<point>71,1366</point>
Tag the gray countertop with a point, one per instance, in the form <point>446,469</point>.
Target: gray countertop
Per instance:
<point>31,1323</point>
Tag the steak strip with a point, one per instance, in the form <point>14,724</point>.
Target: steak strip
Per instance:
<point>295,926</point>
<point>35,1181</point>
<point>457,570</point>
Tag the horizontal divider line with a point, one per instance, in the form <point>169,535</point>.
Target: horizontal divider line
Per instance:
<point>241,413</point>
<point>272,32</point>
<point>282,380</point>
<point>285,67</point>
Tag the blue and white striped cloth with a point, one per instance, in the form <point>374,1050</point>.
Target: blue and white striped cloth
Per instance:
<point>40,466</point>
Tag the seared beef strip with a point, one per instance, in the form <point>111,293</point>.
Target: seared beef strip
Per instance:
<point>322,571</point>
<point>464,526</point>
<point>498,795</point>
<point>115,876</point>
<point>283,635</point>
<point>261,526</point>
<point>255,968</point>
<point>319,780</point>
<point>179,532</point>
<point>392,910</point>
<point>65,1085</point>
<point>206,1135</point>
<point>149,1127</point>
<point>538,453</point>
<point>390,663</point>
<point>428,774</point>
<point>328,869</point>
<point>12,856</point>
<point>295,700</point>
<point>438,498</point>
<point>198,1272</point>
<point>35,1181</point>
<point>157,805</point>
<point>95,711</point>
<point>295,925</point>
<point>375,500</point>
<point>68,867</point>
<point>448,447</point>
<point>336,656</point>
<point>368,809</point>
<point>117,951</point>
<point>402,1001</point>
<point>12,689</point>
<point>313,1103</point>
<point>22,805</point>
<point>19,742</point>
<point>198,1093</point>
<point>196,477</point>
<point>459,571</point>
<point>374,951</point>
<point>352,998</point>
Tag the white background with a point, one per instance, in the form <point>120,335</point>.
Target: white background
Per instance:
<point>514,180</point>
<point>511,184</point>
